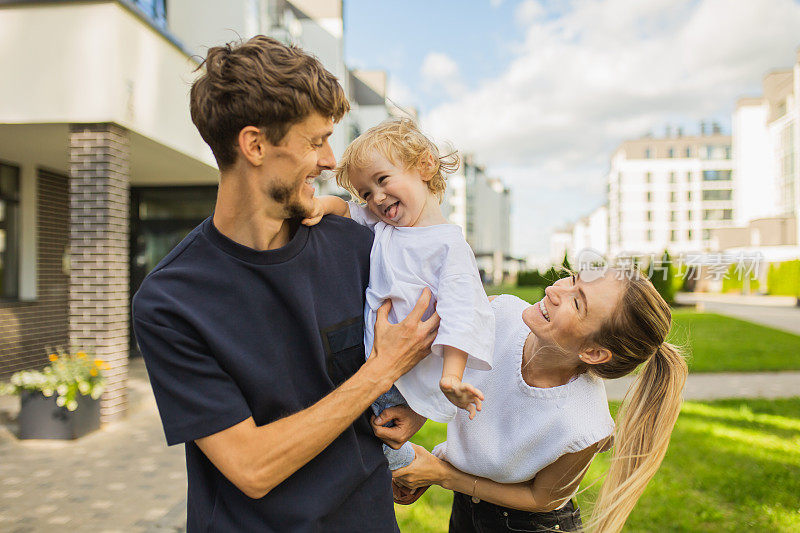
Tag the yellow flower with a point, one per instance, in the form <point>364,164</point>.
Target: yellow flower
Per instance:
<point>99,363</point>
<point>82,355</point>
<point>53,357</point>
<point>93,371</point>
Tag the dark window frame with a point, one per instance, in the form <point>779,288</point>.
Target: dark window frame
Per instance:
<point>13,229</point>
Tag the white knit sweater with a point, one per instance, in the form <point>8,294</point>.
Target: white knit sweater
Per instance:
<point>521,429</point>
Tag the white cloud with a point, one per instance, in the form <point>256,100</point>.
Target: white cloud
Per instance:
<point>440,72</point>
<point>495,3</point>
<point>603,71</point>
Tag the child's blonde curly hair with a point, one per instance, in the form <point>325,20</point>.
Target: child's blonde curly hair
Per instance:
<point>401,142</point>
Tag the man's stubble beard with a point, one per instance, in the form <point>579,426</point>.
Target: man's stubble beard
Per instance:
<point>292,207</point>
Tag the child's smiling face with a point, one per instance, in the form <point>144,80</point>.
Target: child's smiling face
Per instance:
<point>397,196</point>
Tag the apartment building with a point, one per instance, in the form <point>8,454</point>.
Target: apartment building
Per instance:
<point>589,233</point>
<point>481,205</point>
<point>102,171</point>
<point>766,141</point>
<point>670,192</point>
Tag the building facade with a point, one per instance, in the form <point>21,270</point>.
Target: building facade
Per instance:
<point>102,171</point>
<point>481,205</point>
<point>670,193</point>
<point>767,153</point>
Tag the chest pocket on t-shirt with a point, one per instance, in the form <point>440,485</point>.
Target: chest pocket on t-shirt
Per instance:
<point>344,349</point>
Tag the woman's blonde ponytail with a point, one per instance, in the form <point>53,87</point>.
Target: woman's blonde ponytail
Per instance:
<point>645,422</point>
<point>635,336</point>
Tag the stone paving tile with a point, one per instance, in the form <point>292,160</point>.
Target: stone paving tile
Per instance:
<point>121,478</point>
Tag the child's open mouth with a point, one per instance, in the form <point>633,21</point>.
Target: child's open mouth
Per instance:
<point>391,211</point>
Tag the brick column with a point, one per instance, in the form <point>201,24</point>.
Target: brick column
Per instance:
<point>98,237</point>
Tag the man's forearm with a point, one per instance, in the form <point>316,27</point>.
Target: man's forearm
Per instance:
<point>269,454</point>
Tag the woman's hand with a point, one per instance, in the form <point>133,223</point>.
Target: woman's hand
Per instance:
<point>425,470</point>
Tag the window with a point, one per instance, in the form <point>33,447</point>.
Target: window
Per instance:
<point>673,196</point>
<point>649,196</point>
<point>727,152</point>
<point>689,215</point>
<point>9,231</point>
<point>649,216</point>
<point>649,235</point>
<point>673,235</point>
<point>673,216</point>
<point>706,234</point>
<point>156,10</point>
<point>647,153</point>
<point>671,153</point>
<point>648,177</point>
<point>717,194</point>
<point>688,151</point>
<point>689,235</point>
<point>717,214</point>
<point>716,175</point>
<point>688,196</point>
<point>672,177</point>
<point>689,176</point>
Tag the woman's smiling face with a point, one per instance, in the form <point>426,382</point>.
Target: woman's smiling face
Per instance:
<point>397,196</point>
<point>573,310</point>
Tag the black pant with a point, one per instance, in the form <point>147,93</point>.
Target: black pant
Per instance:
<point>484,517</point>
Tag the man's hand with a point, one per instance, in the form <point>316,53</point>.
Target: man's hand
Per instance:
<point>398,347</point>
<point>406,424</point>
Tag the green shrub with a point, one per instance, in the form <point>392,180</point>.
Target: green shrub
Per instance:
<point>734,280</point>
<point>784,278</point>
<point>662,275</point>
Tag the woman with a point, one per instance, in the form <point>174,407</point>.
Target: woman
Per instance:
<point>517,465</point>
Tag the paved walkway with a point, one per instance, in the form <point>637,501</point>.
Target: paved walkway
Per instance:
<point>779,312</point>
<point>725,385</point>
<point>123,478</point>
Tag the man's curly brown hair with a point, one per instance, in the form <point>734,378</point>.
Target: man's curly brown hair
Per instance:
<point>261,83</point>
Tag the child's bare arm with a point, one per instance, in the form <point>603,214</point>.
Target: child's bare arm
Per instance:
<point>327,205</point>
<point>460,394</point>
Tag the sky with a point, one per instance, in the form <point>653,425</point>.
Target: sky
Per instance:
<point>543,91</point>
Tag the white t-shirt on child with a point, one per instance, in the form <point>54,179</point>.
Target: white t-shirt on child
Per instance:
<point>403,262</point>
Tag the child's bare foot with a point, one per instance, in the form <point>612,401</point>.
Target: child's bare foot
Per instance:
<point>462,394</point>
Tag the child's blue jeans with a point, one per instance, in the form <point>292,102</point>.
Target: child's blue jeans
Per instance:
<point>405,455</point>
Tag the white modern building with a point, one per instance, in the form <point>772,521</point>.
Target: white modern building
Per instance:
<point>481,205</point>
<point>590,233</point>
<point>766,140</point>
<point>670,192</point>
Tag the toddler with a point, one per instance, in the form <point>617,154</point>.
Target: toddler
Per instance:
<point>397,172</point>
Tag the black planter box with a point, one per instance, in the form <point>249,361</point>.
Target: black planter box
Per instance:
<point>40,417</point>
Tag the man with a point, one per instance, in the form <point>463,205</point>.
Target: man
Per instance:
<point>251,328</point>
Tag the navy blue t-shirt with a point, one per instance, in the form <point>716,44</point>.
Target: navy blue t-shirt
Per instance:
<point>228,332</point>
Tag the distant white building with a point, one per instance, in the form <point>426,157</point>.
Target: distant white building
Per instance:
<point>670,192</point>
<point>588,233</point>
<point>766,142</point>
<point>481,205</point>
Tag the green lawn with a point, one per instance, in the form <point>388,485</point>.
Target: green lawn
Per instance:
<point>529,294</point>
<point>719,343</point>
<point>733,465</point>
<point>715,343</point>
